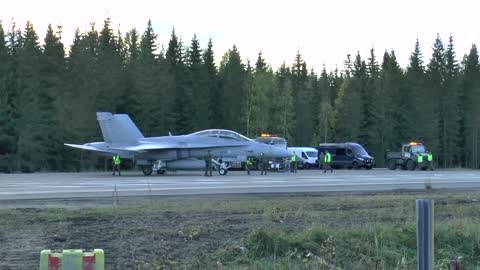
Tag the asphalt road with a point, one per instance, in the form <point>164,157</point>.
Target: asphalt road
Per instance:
<point>103,184</point>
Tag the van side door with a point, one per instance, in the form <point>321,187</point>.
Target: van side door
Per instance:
<point>350,156</point>
<point>340,158</point>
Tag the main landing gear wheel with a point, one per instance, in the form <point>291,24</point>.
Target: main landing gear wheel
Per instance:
<point>222,171</point>
<point>147,170</point>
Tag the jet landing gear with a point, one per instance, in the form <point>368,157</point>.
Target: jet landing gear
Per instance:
<point>148,170</point>
<point>221,167</point>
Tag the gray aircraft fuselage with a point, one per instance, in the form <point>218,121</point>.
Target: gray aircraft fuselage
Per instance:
<point>122,137</point>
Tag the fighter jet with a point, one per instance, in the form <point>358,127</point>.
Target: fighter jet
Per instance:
<point>183,152</point>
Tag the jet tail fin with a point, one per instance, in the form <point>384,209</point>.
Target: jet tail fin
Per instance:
<point>118,128</point>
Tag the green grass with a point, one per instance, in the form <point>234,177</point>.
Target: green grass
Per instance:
<point>341,231</point>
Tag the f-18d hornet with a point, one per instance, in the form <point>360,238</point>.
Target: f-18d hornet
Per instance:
<point>183,152</point>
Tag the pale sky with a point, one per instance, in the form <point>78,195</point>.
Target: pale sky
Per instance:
<point>324,31</point>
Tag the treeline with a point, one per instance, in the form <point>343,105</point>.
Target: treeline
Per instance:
<point>48,97</point>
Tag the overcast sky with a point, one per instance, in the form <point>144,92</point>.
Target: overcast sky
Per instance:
<point>323,31</point>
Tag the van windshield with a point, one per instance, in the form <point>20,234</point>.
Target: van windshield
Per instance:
<point>359,151</point>
<point>312,154</point>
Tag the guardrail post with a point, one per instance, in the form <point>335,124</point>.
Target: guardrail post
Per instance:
<point>425,234</point>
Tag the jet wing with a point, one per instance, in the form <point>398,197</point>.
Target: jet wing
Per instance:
<point>85,147</point>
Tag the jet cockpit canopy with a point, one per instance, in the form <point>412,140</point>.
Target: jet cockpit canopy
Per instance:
<point>221,133</point>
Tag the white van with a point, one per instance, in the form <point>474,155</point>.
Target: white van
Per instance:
<point>308,155</point>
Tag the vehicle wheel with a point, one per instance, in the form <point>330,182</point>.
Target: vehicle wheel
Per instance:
<point>355,165</point>
<point>222,171</point>
<point>392,164</point>
<point>368,167</point>
<point>410,165</point>
<point>161,171</point>
<point>306,166</point>
<point>147,170</point>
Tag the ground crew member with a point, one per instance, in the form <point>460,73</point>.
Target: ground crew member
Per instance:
<point>328,162</point>
<point>249,164</point>
<point>419,160</point>
<point>208,163</point>
<point>263,163</point>
<point>116,164</point>
<point>430,160</point>
<point>321,161</point>
<point>293,163</point>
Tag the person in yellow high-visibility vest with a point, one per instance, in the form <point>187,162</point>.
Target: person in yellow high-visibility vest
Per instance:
<point>293,163</point>
<point>249,164</point>
<point>116,164</point>
<point>419,161</point>
<point>430,160</point>
<point>328,162</point>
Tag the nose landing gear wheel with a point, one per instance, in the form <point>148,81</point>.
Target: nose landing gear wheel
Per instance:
<point>222,171</point>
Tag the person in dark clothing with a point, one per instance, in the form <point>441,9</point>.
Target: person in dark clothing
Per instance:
<point>208,163</point>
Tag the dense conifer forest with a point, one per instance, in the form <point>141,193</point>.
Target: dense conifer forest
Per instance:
<point>49,95</point>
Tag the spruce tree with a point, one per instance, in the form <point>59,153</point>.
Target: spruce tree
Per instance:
<point>230,100</point>
<point>323,109</point>
<point>199,99</point>
<point>110,73</point>
<point>433,101</point>
<point>211,84</point>
<point>449,109</point>
<point>415,85</point>
<point>177,86</point>
<point>372,106</point>
<point>470,98</point>
<point>31,116</point>
<point>283,113</point>
<point>52,70</point>
<point>262,94</point>
<point>7,135</point>
<point>302,98</point>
